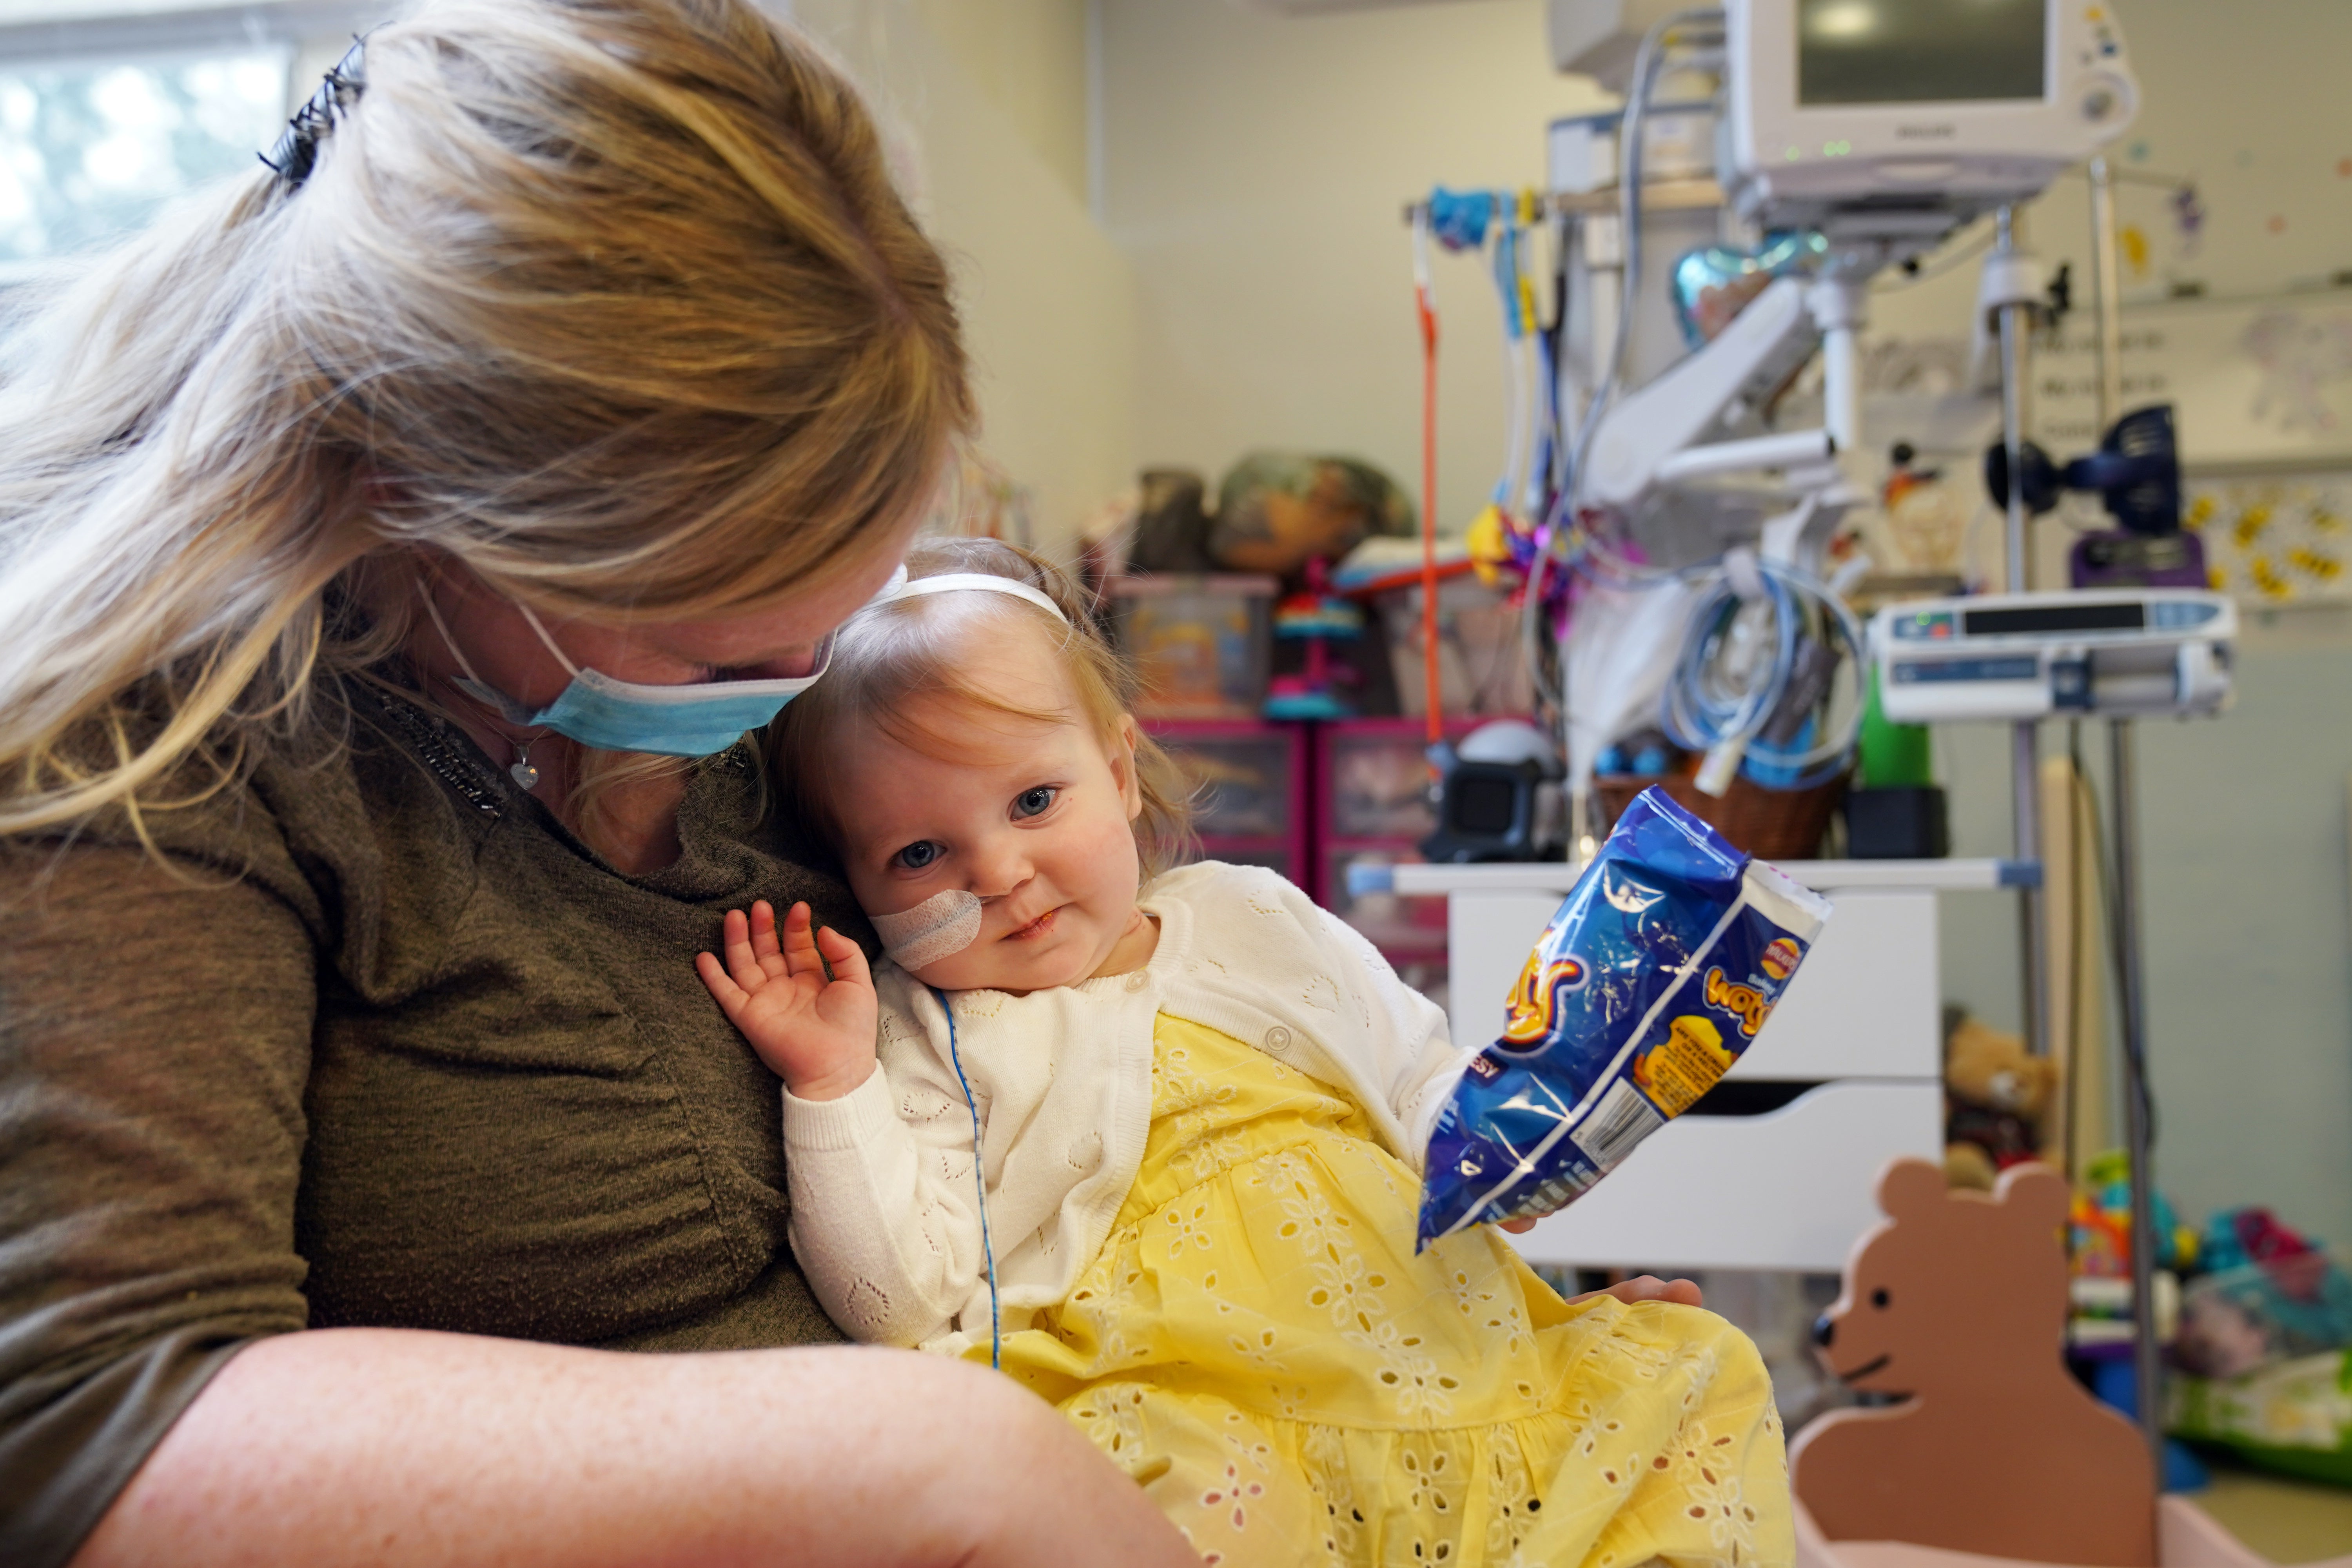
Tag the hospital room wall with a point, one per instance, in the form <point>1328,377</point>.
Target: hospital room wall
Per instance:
<point>984,103</point>
<point>1253,169</point>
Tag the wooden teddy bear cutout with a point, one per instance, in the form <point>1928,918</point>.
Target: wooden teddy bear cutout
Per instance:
<point>1997,1458</point>
<point>1958,1303</point>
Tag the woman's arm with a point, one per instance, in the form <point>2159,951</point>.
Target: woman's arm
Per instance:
<point>389,1448</point>
<point>154,1045</point>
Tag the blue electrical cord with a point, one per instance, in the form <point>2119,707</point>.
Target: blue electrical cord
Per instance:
<point>980,1181</point>
<point>1702,713</point>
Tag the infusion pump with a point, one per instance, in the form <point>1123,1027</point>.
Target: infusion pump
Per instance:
<point>2116,652</point>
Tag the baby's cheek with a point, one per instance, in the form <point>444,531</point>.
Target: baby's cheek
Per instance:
<point>1111,860</point>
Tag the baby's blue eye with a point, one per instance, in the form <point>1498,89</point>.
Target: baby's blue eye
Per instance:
<point>922,852</point>
<point>1031,801</point>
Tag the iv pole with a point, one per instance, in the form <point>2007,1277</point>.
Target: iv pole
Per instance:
<point>2013,284</point>
<point>2148,1366</point>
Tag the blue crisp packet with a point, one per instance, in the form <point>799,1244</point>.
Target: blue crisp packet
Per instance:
<point>1649,983</point>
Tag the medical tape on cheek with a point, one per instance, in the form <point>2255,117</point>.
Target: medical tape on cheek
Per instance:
<point>941,925</point>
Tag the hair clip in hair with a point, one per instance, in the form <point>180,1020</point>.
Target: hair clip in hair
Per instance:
<point>297,152</point>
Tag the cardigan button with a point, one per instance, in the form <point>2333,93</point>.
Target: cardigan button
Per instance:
<point>1138,981</point>
<point>1278,1038</point>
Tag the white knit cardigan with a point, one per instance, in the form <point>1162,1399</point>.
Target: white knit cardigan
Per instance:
<point>884,1219</point>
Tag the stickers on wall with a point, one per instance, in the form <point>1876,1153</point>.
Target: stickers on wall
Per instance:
<point>2276,540</point>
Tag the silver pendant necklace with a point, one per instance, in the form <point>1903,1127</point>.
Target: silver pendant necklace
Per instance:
<point>525,775</point>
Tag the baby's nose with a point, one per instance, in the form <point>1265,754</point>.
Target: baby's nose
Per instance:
<point>1000,870</point>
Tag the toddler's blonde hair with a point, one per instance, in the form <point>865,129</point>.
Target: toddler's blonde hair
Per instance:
<point>890,653</point>
<point>611,301</point>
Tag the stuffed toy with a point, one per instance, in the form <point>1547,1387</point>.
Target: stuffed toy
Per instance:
<point>1996,1097</point>
<point>1278,510</point>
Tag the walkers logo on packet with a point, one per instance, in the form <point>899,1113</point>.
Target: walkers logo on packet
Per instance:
<point>1653,977</point>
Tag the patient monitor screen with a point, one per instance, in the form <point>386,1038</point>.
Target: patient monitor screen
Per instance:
<point>1918,51</point>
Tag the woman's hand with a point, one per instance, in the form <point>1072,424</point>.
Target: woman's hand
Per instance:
<point>815,1033</point>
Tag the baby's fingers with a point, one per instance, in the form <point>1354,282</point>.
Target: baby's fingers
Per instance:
<point>1650,1288</point>
<point>764,947</point>
<point>848,960</point>
<point>723,990</point>
<point>799,945</point>
<point>743,962</point>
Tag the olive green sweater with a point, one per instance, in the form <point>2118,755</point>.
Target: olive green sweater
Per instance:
<point>382,1044</point>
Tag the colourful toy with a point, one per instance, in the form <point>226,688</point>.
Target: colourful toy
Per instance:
<point>2291,1416</point>
<point>1499,543</point>
<point>2278,1297</point>
<point>2235,1238</point>
<point>2263,1371</point>
<point>2100,1240</point>
<point>2102,1220</point>
<point>1318,617</point>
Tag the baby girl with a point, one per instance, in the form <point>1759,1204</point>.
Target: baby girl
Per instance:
<point>1149,1137</point>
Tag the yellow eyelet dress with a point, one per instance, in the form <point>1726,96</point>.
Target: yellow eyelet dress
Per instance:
<point>1259,1347</point>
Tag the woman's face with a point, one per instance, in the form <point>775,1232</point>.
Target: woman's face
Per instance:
<point>774,642</point>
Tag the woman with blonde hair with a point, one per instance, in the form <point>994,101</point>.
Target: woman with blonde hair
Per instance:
<point>394,548</point>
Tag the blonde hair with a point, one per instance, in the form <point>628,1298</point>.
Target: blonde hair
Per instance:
<point>611,301</point>
<point>892,653</point>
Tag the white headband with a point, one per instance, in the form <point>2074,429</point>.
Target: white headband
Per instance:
<point>988,582</point>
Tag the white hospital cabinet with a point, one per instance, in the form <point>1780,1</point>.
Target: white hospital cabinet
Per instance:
<point>1847,1074</point>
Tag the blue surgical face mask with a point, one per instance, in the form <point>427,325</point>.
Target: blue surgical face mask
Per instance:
<point>698,718</point>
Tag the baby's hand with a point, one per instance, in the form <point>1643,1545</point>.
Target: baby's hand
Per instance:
<point>1649,1288</point>
<point>816,1034</point>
